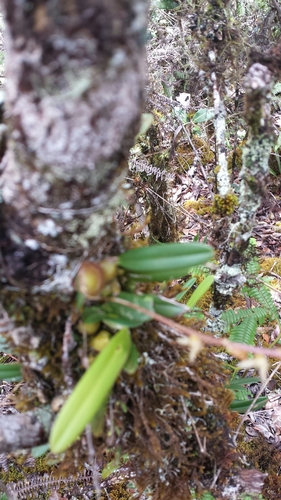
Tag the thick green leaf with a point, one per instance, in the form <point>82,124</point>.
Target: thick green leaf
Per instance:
<point>167,307</point>
<point>164,262</point>
<point>241,406</point>
<point>133,361</point>
<point>38,451</point>
<point>203,115</point>
<point>202,288</point>
<point>238,383</point>
<point>117,315</point>
<point>90,392</point>
<point>93,314</point>
<point>11,372</point>
<point>110,467</point>
<point>185,287</point>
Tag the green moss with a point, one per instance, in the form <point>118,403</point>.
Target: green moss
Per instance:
<point>271,264</point>
<point>224,205</point>
<point>235,159</point>
<point>187,152</point>
<point>200,206</point>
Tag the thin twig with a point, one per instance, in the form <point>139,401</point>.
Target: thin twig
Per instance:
<point>206,339</point>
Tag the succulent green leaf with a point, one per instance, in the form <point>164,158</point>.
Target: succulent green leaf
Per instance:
<point>118,315</point>
<point>110,467</point>
<point>164,262</point>
<point>202,288</point>
<point>185,287</point>
<point>11,372</point>
<point>237,383</point>
<point>90,392</point>
<point>168,308</point>
<point>241,406</point>
<point>133,361</point>
<point>93,314</point>
<point>38,451</point>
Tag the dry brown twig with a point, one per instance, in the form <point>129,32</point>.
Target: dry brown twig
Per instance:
<point>206,339</point>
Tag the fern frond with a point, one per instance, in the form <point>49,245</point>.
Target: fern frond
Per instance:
<point>200,271</point>
<point>245,332</point>
<point>231,317</point>
<point>207,496</point>
<point>262,295</point>
<point>253,267</point>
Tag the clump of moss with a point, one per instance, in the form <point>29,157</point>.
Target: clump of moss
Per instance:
<point>265,457</point>
<point>200,206</point>
<point>186,153</point>
<point>117,491</point>
<point>224,205</point>
<point>271,264</point>
<point>235,159</point>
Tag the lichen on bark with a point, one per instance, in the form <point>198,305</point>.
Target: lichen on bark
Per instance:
<point>255,170</point>
<point>253,176</point>
<point>75,76</point>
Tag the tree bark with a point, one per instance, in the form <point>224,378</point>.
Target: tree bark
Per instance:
<point>24,430</point>
<point>75,77</point>
<point>74,89</point>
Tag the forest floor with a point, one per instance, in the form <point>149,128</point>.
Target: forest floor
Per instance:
<point>185,158</point>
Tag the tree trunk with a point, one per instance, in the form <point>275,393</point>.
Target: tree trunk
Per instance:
<point>75,76</point>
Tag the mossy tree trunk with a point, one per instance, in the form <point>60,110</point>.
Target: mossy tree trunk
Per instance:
<point>258,83</point>
<point>75,74</point>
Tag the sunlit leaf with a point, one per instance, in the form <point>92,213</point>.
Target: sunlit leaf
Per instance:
<point>185,287</point>
<point>110,467</point>
<point>203,115</point>
<point>202,288</point>
<point>90,393</point>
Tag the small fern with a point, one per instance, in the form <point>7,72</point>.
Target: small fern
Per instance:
<point>207,496</point>
<point>262,295</point>
<point>245,332</point>
<point>231,317</point>
<point>253,267</point>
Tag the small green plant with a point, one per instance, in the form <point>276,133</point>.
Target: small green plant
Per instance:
<point>202,288</point>
<point>91,392</point>
<point>10,372</point>
<point>207,496</point>
<point>243,397</point>
<point>88,401</point>
<point>242,323</point>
